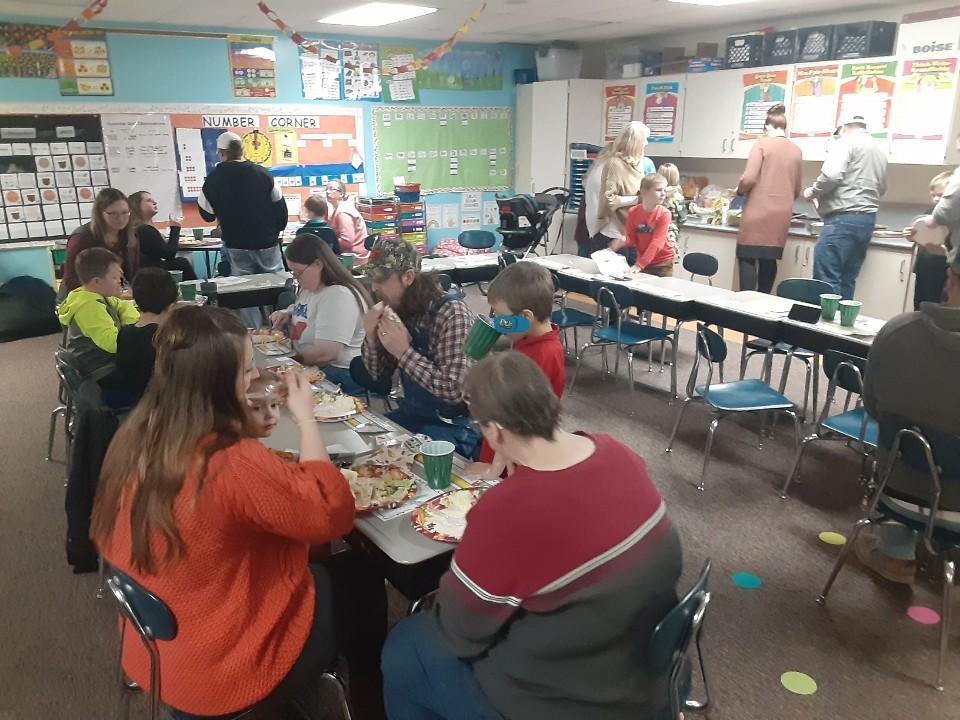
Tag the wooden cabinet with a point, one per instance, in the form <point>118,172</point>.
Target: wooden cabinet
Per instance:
<point>711,114</point>
<point>883,282</point>
<point>722,245</point>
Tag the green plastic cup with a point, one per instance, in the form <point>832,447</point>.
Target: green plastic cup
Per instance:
<point>188,291</point>
<point>438,463</point>
<point>348,260</point>
<point>829,304</point>
<point>198,233</point>
<point>177,275</point>
<point>849,309</point>
<point>483,336</point>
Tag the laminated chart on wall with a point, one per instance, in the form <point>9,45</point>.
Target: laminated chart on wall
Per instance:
<point>302,151</point>
<point>619,104</point>
<point>866,88</point>
<point>361,71</point>
<point>321,72</point>
<point>761,91</point>
<point>445,149</point>
<point>661,101</point>
<point>464,70</point>
<point>922,109</point>
<point>83,64</point>
<point>253,66</point>
<point>141,156</point>
<point>51,169</point>
<point>814,107</point>
<point>403,86</point>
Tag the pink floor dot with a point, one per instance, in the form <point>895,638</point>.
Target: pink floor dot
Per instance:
<point>923,615</point>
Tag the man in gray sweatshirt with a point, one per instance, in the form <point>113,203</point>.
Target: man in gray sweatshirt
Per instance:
<point>909,376</point>
<point>848,191</point>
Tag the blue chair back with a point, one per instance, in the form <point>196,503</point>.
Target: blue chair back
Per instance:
<point>849,370</point>
<point>67,370</point>
<point>805,290</point>
<point>477,239</point>
<point>369,241</point>
<point>148,613</point>
<point>670,643</point>
<point>506,259</point>
<point>698,263</point>
<point>710,344</point>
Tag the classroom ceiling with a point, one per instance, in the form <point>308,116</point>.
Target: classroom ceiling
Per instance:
<point>512,21</point>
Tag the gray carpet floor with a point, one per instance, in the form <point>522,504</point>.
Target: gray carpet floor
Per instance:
<point>58,642</point>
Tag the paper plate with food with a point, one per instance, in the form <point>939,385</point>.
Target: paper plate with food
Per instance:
<point>380,487</point>
<point>445,518</point>
<point>262,336</point>
<point>288,455</point>
<point>333,408</point>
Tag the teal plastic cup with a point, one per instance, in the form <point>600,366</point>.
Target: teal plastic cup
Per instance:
<point>829,304</point>
<point>188,291</point>
<point>483,336</point>
<point>438,463</point>
<point>177,275</point>
<point>198,234</point>
<point>849,309</point>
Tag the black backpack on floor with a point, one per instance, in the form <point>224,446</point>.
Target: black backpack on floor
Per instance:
<point>27,309</point>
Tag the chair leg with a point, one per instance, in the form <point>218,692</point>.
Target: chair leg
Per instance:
<point>630,370</point>
<point>795,468</point>
<point>806,390</point>
<point>767,367</point>
<point>576,368</point>
<point>949,571</point>
<point>842,558</point>
<point>341,690</point>
<point>816,385</point>
<point>101,580</point>
<point>663,343</point>
<point>707,451</point>
<point>60,410</point>
<point>743,356</point>
<point>676,425</point>
<point>673,365</point>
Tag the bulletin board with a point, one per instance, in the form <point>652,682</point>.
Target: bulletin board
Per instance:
<point>445,149</point>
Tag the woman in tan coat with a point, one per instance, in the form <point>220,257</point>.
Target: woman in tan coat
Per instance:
<point>772,181</point>
<point>620,182</point>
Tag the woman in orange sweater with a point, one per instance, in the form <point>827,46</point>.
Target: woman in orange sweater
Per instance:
<point>219,528</point>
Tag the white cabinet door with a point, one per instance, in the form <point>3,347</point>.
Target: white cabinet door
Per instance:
<point>794,256</point>
<point>660,103</point>
<point>585,111</point>
<point>541,136</point>
<point>883,282</point>
<point>741,148</point>
<point>711,113</point>
<point>722,245</point>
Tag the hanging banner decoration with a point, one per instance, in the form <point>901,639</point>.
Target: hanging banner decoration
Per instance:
<point>866,88</point>
<point>400,86</point>
<point>814,101</point>
<point>253,66</point>
<point>761,91</point>
<point>361,71</point>
<point>34,57</point>
<point>83,64</point>
<point>320,71</point>
<point>48,39</point>
<point>660,105</point>
<point>925,94</point>
<point>619,102</point>
<point>464,70</point>
<point>415,64</point>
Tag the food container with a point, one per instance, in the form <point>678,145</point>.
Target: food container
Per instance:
<point>409,193</point>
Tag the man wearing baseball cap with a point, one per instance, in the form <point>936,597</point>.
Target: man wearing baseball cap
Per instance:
<point>908,383</point>
<point>420,330</point>
<point>252,212</point>
<point>847,193</point>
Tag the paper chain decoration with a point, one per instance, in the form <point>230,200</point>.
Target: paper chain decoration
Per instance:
<point>417,64</point>
<point>89,13</point>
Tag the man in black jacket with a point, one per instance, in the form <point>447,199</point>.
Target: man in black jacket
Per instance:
<point>250,207</point>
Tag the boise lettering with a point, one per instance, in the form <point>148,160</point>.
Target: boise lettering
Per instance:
<point>933,47</point>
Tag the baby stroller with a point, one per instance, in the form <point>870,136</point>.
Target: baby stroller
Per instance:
<point>525,219</point>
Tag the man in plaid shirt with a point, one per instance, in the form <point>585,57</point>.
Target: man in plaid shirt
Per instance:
<point>421,331</point>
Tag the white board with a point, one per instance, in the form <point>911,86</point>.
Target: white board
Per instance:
<point>140,156</point>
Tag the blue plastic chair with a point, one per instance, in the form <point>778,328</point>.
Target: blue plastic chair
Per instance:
<point>703,264</point>
<point>154,622</point>
<point>564,317</point>
<point>740,396</point>
<point>477,239</point>
<point>845,372</point>
<point>937,454</point>
<point>670,644</point>
<point>611,328</point>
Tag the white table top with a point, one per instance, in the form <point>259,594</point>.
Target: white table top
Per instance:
<point>864,329</point>
<point>751,302</point>
<point>459,262</point>
<point>245,283</point>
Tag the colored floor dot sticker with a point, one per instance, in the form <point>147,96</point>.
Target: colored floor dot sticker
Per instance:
<point>832,538</point>
<point>923,615</point>
<point>798,683</point>
<point>746,581</point>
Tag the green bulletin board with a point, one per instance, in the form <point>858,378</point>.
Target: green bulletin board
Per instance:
<point>445,149</point>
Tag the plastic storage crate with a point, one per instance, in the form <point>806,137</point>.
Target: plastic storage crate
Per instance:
<point>815,44</point>
<point>864,39</point>
<point>745,50</point>
<point>780,48</point>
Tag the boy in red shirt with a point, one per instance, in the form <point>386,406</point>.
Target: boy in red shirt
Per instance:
<point>526,289</point>
<point>648,228</point>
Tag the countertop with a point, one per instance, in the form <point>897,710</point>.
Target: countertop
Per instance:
<point>15,245</point>
<point>895,243</point>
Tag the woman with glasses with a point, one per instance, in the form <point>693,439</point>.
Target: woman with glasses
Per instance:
<point>109,227</point>
<point>326,321</point>
<point>345,219</point>
<point>563,573</point>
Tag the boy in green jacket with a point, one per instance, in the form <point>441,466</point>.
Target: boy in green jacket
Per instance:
<point>94,313</point>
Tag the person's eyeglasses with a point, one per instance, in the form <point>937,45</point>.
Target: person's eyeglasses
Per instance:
<point>297,273</point>
<point>119,213</point>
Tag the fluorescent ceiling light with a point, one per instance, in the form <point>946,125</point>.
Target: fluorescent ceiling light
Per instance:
<point>711,3</point>
<point>376,14</point>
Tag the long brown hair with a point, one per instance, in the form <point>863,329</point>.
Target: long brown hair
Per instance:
<point>189,412</point>
<point>421,297</point>
<point>129,244</point>
<point>136,212</point>
<point>307,249</point>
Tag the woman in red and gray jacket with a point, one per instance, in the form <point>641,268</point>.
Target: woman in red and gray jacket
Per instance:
<point>564,571</point>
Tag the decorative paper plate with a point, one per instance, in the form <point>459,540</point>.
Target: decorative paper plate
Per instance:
<point>266,335</point>
<point>275,348</point>
<point>334,408</point>
<point>445,518</point>
<point>380,487</point>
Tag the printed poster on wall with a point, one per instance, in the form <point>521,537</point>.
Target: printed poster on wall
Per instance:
<point>925,94</point>
<point>761,91</point>
<point>320,71</point>
<point>464,70</point>
<point>660,104</point>
<point>814,110</point>
<point>36,60</point>
<point>83,64</point>
<point>403,86</point>
<point>253,66</point>
<point>361,71</point>
<point>619,102</point>
<point>866,89</point>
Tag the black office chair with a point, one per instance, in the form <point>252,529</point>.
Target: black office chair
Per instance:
<point>703,264</point>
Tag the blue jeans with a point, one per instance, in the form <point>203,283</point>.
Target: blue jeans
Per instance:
<point>841,250</point>
<point>422,680</point>
<point>341,376</point>
<point>253,262</point>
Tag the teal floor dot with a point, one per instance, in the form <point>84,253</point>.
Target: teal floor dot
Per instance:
<point>747,581</point>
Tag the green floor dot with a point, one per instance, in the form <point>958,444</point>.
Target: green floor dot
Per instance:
<point>798,683</point>
<point>832,538</point>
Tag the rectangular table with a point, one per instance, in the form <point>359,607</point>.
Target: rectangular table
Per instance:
<point>822,336</point>
<point>481,267</point>
<point>243,291</point>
